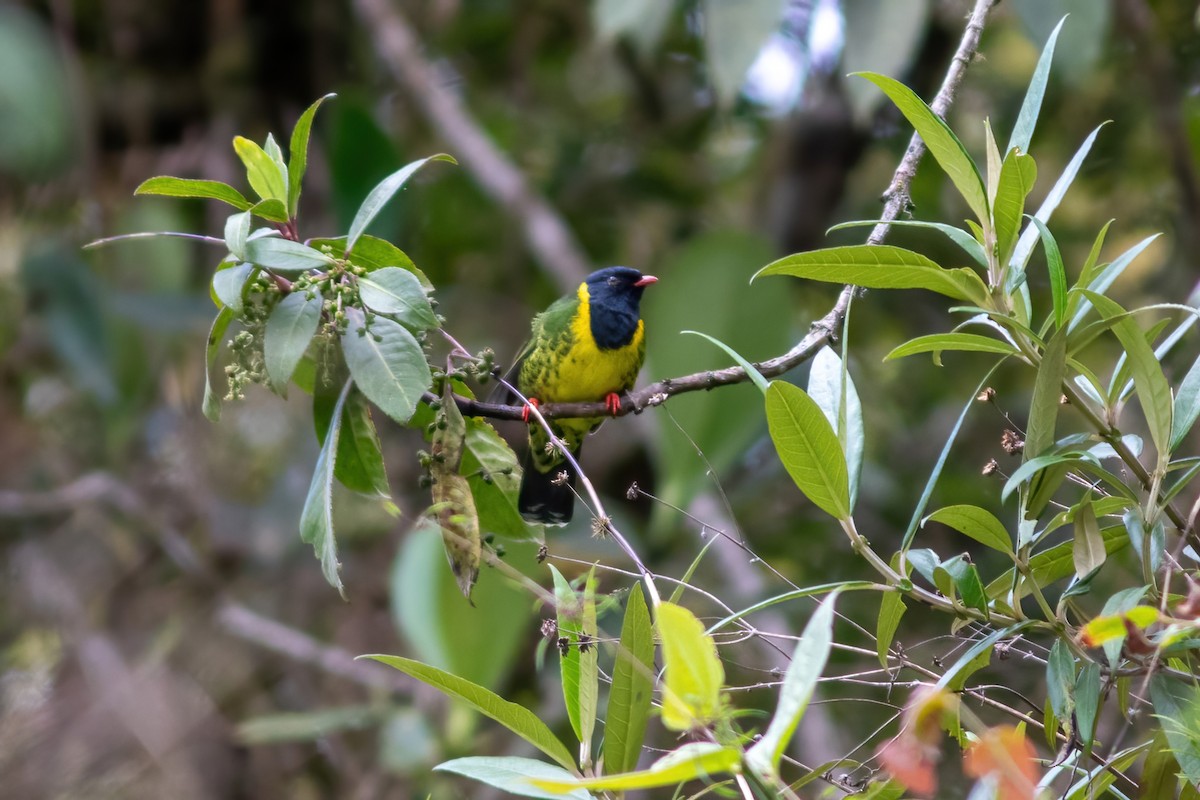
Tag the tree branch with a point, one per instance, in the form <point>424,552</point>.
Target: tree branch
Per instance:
<point>551,241</point>
<point>824,330</point>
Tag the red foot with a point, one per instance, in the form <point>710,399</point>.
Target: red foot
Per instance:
<point>531,403</point>
<point>612,402</point>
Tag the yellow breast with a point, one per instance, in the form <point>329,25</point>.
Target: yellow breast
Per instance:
<point>586,372</point>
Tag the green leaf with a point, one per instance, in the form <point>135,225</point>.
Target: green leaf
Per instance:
<point>795,594</point>
<point>632,687</point>
<point>958,236</point>
<point>692,672</point>
<point>952,677</point>
<point>512,774</point>
<point>690,761</point>
<point>880,267</point>
<point>1060,680</point>
<point>1187,406</point>
<point>229,284</point>
<point>967,583</point>
<point>399,294</point>
<point>1109,629</point>
<point>808,448</point>
<point>372,253</point>
<point>316,518</point>
<point>891,610</point>
<point>1031,106</point>
<point>1087,703</point>
<point>1047,394</point>
<point>1057,562</point>
<point>285,256</point>
<point>237,228</point>
<point>1119,603</point>
<point>382,193</point>
<point>1017,176</point>
<point>1058,274</point>
<point>359,466</point>
<point>290,328</point>
<point>517,718</point>
<point>266,177</point>
<point>306,726</point>
<point>212,401</point>
<point>943,144</point>
<point>576,620</point>
<point>978,523</point>
<point>1153,390</point>
<point>828,382</point>
<point>188,187</point>
<point>492,470</point>
<point>1088,548</point>
<point>387,363</point>
<point>1175,704</point>
<point>1158,774</point>
<point>807,665</point>
<point>755,376</point>
<point>1105,278</point>
<point>298,154</point>
<point>272,210</point>
<point>938,342</point>
<point>1036,465</point>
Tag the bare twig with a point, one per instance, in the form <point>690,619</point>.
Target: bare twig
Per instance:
<point>552,243</point>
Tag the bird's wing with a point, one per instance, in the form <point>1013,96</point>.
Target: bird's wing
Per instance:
<point>547,326</point>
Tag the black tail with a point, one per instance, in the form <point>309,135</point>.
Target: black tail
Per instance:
<point>544,497</point>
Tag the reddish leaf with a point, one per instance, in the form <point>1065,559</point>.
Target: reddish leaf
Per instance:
<point>1004,753</point>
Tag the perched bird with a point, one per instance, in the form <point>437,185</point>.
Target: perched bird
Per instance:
<point>586,346</point>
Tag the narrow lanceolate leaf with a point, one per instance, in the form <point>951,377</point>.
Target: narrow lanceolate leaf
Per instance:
<point>808,448</point>
<point>263,172</point>
<point>829,382</point>
<point>1017,176</point>
<point>285,256</point>
<point>1153,390</point>
<point>298,154</point>
<point>517,718</point>
<point>1177,706</point>
<point>755,376</point>
<point>1058,274</point>
<point>399,294</point>
<point>579,693</point>
<point>1056,563</point>
<point>891,610</point>
<point>880,267</point>
<point>704,760</point>
<point>1087,702</point>
<point>212,400</point>
<point>512,774</point>
<point>1187,406</point>
<point>693,675</point>
<point>943,144</point>
<point>316,518</point>
<point>382,193</point>
<point>632,687</point>
<point>188,187</point>
<point>808,663</point>
<point>453,503</point>
<point>1060,679</point>
<point>1047,394</point>
<point>978,523</point>
<point>1088,544</point>
<point>969,244</point>
<point>237,228</point>
<point>938,342</point>
<point>387,363</point>
<point>1032,105</point>
<point>289,330</point>
<point>1104,277</point>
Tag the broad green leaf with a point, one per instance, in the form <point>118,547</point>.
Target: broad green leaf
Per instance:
<point>359,466</point>
<point>264,173</point>
<point>1032,104</point>
<point>229,283</point>
<point>1088,547</point>
<point>188,187</point>
<point>212,400</point>
<point>967,583</point>
<point>1047,394</point>
<point>1060,680</point>
<point>891,610</point>
<point>1108,628</point>
<point>272,210</point>
<point>298,155</point>
<point>512,774</point>
<point>632,687</point>
<point>807,665</point>
<point>372,253</point>
<point>316,518</point>
<point>290,328</point>
<point>1057,562</point>
<point>1036,465</point>
<point>382,193</point>
<point>828,382</point>
<point>387,363</point>
<point>1087,703</point>
<point>237,228</point>
<point>964,240</point>
<point>1017,176</point>
<point>1058,274</point>
<point>808,448</point>
<point>943,144</point>
<point>577,623</point>
<point>517,718</point>
<point>755,376</point>
<point>1187,406</point>
<point>978,523</point>
<point>1177,706</point>
<point>398,293</point>
<point>1153,391</point>
<point>704,760</point>
<point>692,672</point>
<point>495,477</point>
<point>285,256</point>
<point>880,267</point>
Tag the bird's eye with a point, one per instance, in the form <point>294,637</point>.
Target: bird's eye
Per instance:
<point>614,281</point>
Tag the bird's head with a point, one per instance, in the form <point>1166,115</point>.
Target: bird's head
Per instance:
<point>618,282</point>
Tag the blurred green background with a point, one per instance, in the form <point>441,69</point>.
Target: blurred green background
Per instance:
<point>163,631</point>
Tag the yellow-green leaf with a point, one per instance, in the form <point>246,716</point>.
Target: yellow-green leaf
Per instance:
<point>693,674</point>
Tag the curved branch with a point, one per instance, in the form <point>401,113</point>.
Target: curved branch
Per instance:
<point>824,330</point>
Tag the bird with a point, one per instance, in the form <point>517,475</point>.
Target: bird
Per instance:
<point>586,346</point>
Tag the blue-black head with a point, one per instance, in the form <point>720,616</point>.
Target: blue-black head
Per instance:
<point>615,295</point>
